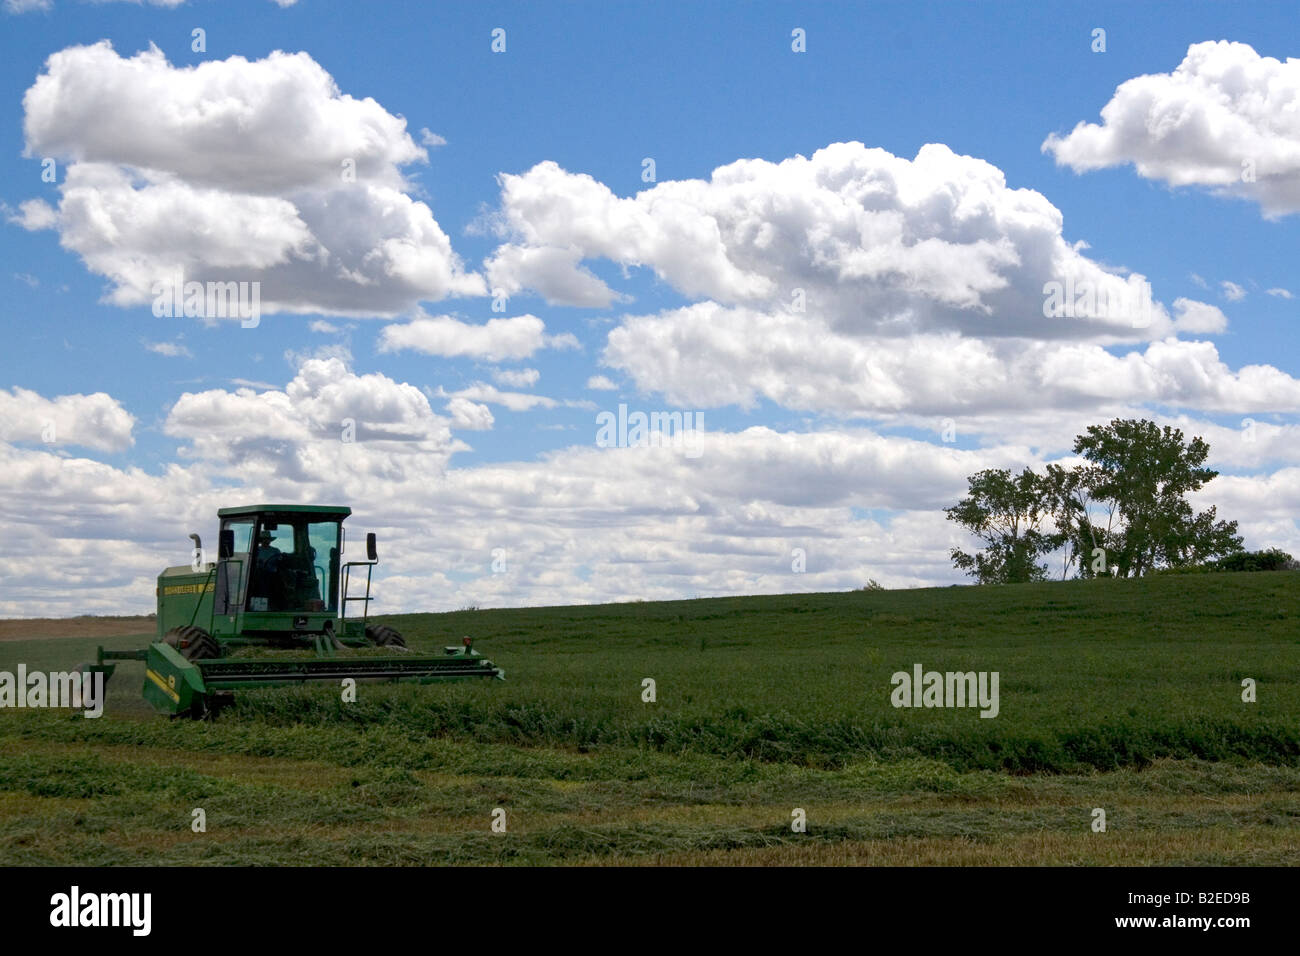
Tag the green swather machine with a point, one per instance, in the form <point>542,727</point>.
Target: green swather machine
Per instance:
<point>279,581</point>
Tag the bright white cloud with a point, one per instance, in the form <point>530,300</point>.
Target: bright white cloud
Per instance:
<point>1226,118</point>
<point>257,126</point>
<point>556,274</point>
<point>311,428</point>
<point>95,421</point>
<point>1231,291</point>
<point>1196,318</point>
<point>33,214</point>
<point>497,340</point>
<point>706,355</point>
<point>1247,443</point>
<point>867,242</point>
<point>516,378</point>
<point>236,170</point>
<point>470,416</point>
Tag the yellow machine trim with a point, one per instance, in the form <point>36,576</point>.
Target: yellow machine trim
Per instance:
<point>157,679</point>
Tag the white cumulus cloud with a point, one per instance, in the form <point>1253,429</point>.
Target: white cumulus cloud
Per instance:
<point>470,416</point>
<point>95,421</point>
<point>1198,317</point>
<point>1226,118</point>
<point>708,355</point>
<point>236,170</point>
<point>865,241</point>
<point>496,340</point>
<point>312,427</point>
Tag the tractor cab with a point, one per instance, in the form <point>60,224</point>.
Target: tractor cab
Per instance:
<point>291,559</point>
<point>279,570</point>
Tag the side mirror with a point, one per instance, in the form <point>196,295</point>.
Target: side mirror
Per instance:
<point>226,544</point>
<point>371,553</point>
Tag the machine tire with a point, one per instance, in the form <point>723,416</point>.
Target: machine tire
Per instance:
<point>194,643</point>
<point>384,636</point>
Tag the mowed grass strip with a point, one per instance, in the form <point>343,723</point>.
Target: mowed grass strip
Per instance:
<point>1251,846</point>
<point>120,807</point>
<point>1182,834</point>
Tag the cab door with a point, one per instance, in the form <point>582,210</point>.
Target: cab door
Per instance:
<point>233,561</point>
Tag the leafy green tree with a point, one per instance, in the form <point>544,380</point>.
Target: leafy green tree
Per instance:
<point>1008,513</point>
<point>1123,511</point>
<point>1143,473</point>
<point>1087,526</point>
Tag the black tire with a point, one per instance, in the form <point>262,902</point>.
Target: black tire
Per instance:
<point>194,643</point>
<point>382,635</point>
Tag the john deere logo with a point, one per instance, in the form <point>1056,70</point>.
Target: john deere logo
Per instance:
<point>188,588</point>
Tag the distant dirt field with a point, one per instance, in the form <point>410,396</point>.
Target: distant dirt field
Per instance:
<point>24,629</point>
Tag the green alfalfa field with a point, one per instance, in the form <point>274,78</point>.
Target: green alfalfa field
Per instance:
<point>1124,696</point>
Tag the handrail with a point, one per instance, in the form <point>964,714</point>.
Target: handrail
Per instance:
<point>212,575</point>
<point>366,598</point>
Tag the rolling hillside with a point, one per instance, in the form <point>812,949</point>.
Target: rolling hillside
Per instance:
<point>1119,695</point>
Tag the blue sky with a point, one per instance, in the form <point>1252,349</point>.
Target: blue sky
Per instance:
<point>595,89</point>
